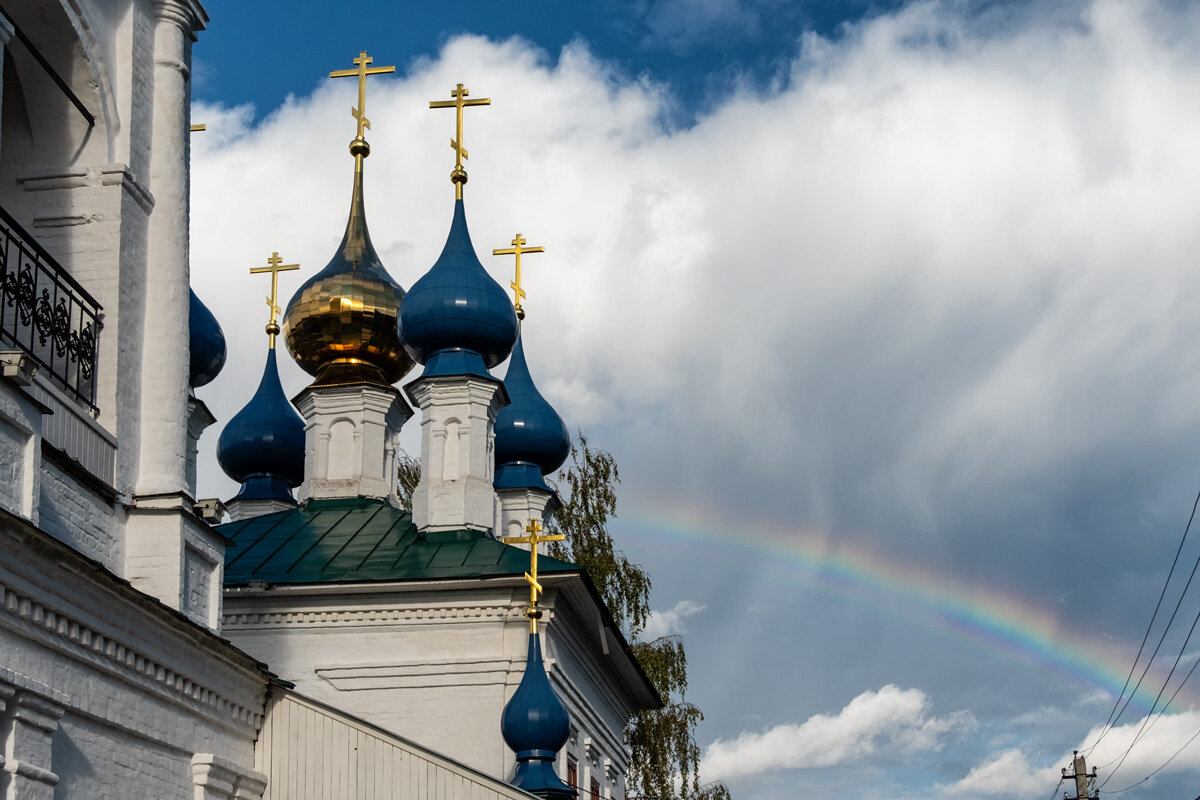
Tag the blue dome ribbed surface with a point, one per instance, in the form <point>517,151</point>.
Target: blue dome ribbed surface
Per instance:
<point>531,438</point>
<point>536,726</point>
<point>206,341</point>
<point>264,440</point>
<point>456,313</point>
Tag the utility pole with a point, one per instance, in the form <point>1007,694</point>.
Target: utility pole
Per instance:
<point>1082,777</point>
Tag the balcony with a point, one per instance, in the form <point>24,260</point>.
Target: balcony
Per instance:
<point>47,314</point>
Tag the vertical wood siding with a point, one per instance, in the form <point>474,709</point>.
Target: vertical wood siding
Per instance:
<point>311,752</point>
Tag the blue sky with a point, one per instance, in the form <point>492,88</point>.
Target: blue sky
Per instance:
<point>261,52</point>
<point>887,311</point>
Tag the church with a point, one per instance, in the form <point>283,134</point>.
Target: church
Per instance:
<point>314,636</point>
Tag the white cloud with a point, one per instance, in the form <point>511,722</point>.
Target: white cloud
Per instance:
<point>666,623</point>
<point>1011,773</point>
<point>890,720</point>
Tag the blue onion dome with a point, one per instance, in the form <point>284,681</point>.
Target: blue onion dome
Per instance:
<point>531,438</point>
<point>262,447</point>
<point>206,341</point>
<point>456,320</point>
<point>536,726</point>
<point>340,326</point>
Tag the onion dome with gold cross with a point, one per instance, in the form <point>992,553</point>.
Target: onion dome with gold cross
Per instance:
<point>206,344</point>
<point>341,326</point>
<point>456,320</point>
<point>262,447</point>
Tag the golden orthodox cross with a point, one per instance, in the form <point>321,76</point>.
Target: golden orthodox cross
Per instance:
<point>517,249</point>
<point>364,68</point>
<point>460,101</point>
<point>274,266</point>
<point>534,528</point>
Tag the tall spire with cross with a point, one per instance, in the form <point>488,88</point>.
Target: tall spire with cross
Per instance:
<point>518,247</point>
<point>458,102</point>
<point>262,446</point>
<point>341,324</point>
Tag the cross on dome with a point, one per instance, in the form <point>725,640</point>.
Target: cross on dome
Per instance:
<point>517,249</point>
<point>534,528</point>
<point>459,176</point>
<point>363,68</point>
<point>274,266</point>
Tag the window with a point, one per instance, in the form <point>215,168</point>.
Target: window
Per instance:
<point>595,789</point>
<point>572,773</point>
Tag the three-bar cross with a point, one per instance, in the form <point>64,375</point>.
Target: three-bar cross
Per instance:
<point>274,266</point>
<point>460,101</point>
<point>534,528</point>
<point>364,68</point>
<point>517,249</point>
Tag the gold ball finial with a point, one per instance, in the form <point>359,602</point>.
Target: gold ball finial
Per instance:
<point>272,328</point>
<point>360,147</point>
<point>458,175</point>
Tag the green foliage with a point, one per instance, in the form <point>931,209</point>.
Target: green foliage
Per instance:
<point>664,758</point>
<point>408,475</point>
<point>592,477</point>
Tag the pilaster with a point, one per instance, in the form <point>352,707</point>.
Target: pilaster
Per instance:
<point>458,417</point>
<point>217,778</point>
<point>27,751</point>
<point>6,34</point>
<point>350,440</point>
<point>172,554</point>
<point>162,463</point>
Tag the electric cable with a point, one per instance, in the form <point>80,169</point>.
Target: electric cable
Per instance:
<point>1110,723</point>
<point>1113,721</point>
<point>1161,767</point>
<point>1166,681</point>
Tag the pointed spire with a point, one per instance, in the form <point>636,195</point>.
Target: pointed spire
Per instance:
<point>340,326</point>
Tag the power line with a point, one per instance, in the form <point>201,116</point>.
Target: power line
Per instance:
<point>1111,722</point>
<point>1160,768</point>
<point>1142,730</point>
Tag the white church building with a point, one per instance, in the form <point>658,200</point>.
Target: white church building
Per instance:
<point>320,641</point>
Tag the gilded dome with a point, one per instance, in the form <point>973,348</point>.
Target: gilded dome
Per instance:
<point>340,326</point>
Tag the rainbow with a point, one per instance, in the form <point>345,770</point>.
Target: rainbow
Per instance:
<point>979,617</point>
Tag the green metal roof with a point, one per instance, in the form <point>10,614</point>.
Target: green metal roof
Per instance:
<point>360,540</point>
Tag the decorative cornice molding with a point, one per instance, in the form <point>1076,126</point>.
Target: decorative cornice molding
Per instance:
<point>357,617</point>
<point>77,637</point>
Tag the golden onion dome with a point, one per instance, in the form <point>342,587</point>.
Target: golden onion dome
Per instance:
<point>340,326</point>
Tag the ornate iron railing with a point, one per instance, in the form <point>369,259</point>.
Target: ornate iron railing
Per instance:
<point>47,314</point>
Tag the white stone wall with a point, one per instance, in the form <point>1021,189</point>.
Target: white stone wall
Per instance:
<point>436,666</point>
<point>76,514</point>
<point>350,440</point>
<point>135,692</point>
<point>458,417</point>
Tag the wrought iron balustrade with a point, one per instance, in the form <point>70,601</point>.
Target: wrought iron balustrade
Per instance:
<point>47,314</point>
